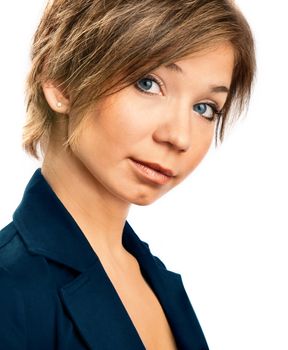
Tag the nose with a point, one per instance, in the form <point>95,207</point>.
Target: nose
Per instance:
<point>175,128</point>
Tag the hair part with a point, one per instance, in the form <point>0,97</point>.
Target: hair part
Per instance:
<point>93,48</point>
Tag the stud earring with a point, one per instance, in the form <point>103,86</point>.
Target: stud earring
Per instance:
<point>59,104</point>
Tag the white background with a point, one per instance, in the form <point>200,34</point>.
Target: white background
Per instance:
<point>225,228</point>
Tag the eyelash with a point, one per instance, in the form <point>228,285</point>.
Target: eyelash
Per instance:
<point>217,111</point>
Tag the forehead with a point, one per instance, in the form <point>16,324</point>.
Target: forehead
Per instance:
<point>217,62</point>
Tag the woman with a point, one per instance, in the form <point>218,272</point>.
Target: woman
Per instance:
<point>124,99</point>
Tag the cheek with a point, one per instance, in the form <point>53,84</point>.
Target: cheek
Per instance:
<point>128,118</point>
<point>116,126</point>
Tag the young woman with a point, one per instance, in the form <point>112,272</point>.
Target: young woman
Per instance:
<point>123,99</point>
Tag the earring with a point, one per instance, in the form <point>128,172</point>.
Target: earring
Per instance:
<point>59,104</point>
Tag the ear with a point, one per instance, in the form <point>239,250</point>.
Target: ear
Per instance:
<point>55,97</point>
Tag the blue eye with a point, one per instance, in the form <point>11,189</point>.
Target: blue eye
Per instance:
<point>206,110</point>
<point>145,83</point>
<point>148,84</point>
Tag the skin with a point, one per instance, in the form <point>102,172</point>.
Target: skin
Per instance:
<point>97,181</point>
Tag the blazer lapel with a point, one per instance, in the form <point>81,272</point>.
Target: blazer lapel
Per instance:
<point>98,312</point>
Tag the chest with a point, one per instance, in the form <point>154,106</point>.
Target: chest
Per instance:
<point>144,310</point>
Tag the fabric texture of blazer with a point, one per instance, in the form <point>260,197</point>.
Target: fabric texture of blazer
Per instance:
<point>56,295</point>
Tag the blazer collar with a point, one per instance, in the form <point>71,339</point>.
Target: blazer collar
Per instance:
<point>48,229</point>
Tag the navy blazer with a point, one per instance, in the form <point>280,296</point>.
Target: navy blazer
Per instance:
<point>56,295</point>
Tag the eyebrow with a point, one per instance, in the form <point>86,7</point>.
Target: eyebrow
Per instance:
<point>216,89</point>
<point>174,68</point>
<point>222,89</point>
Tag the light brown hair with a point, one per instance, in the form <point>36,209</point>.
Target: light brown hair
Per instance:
<point>93,47</point>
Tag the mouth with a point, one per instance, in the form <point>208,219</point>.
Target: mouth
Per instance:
<point>153,172</point>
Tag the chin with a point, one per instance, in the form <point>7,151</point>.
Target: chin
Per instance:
<point>143,199</point>
<point>143,202</point>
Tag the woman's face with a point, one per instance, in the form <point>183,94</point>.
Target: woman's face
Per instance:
<point>142,141</point>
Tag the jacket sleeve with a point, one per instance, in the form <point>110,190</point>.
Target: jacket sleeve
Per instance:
<point>12,316</point>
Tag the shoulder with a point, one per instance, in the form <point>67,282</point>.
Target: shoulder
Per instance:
<point>156,259</point>
<point>12,249</point>
<point>160,264</point>
<point>21,269</point>
<point>27,293</point>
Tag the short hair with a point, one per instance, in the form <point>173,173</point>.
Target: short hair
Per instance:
<point>91,47</point>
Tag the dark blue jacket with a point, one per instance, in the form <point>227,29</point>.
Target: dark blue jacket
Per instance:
<point>55,294</point>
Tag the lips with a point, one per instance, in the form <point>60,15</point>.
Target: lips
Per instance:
<point>157,167</point>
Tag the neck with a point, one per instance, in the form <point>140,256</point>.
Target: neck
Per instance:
<point>100,215</point>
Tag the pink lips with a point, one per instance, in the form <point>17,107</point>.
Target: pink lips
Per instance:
<point>157,167</point>
<point>153,172</point>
